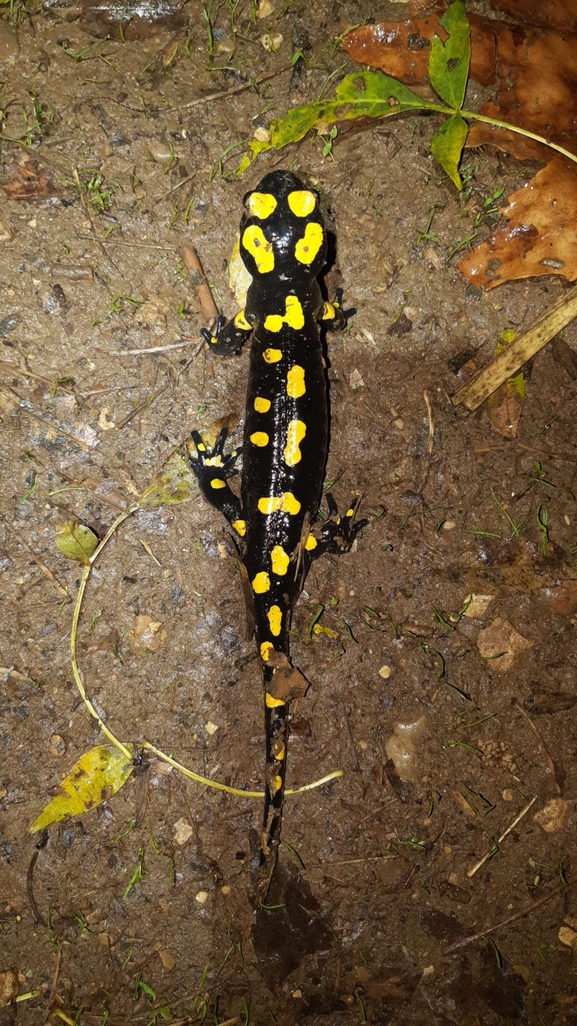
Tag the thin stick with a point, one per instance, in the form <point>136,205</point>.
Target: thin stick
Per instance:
<point>232,91</point>
<point>512,826</point>
<point>153,349</point>
<point>42,566</point>
<point>538,733</point>
<point>179,185</point>
<point>191,261</point>
<point>515,356</point>
<point>430,443</point>
<point>126,750</point>
<point>142,406</point>
<point>431,440</point>
<point>511,919</point>
<point>54,983</point>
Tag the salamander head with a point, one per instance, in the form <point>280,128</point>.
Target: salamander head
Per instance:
<point>282,234</point>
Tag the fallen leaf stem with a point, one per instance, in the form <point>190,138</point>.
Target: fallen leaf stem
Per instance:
<point>147,745</point>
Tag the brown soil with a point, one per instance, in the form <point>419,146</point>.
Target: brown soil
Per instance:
<point>373,890</point>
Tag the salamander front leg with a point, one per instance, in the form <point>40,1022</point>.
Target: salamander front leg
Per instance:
<point>212,469</point>
<point>229,336</point>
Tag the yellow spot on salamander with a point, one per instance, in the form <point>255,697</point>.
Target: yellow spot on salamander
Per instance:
<point>201,447</point>
<point>295,382</point>
<point>279,560</point>
<point>214,461</point>
<point>302,202</point>
<point>311,543</point>
<point>276,784</point>
<point>279,756</point>
<point>275,620</point>
<point>241,322</point>
<point>262,405</point>
<point>329,312</point>
<point>217,482</point>
<point>307,248</point>
<point>350,513</point>
<point>261,583</point>
<point>259,438</point>
<point>261,204</point>
<point>285,503</point>
<point>297,430</point>
<point>293,316</point>
<point>265,650</point>
<point>255,243</point>
<point>271,702</point>
<point>272,355</point>
<point>240,527</point>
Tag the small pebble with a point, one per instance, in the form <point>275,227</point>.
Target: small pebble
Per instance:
<point>262,134</point>
<point>57,746</point>
<point>160,152</point>
<point>271,42</point>
<point>385,672</point>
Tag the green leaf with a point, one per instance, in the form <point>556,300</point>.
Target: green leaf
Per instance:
<point>363,94</point>
<point>76,541</point>
<point>449,62</point>
<point>95,777</point>
<point>447,146</point>
<point>174,484</point>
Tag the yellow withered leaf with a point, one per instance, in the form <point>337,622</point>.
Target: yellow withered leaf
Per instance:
<point>93,779</point>
<point>174,484</point>
<point>76,541</point>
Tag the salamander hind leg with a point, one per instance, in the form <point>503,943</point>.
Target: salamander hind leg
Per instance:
<point>336,534</point>
<point>212,469</point>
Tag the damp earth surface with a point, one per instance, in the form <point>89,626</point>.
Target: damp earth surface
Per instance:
<point>432,882</point>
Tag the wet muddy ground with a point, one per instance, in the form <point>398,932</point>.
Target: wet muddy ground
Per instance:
<point>448,716</point>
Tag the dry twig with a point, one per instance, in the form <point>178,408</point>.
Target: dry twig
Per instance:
<point>515,356</point>
<point>191,261</point>
<point>511,826</point>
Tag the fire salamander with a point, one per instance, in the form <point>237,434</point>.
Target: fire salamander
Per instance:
<point>283,246</point>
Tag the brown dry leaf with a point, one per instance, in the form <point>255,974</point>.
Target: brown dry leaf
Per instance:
<point>548,13</point>
<point>417,7</point>
<point>547,703</point>
<point>288,683</point>
<point>541,234</point>
<point>538,91</point>
<point>564,598</point>
<point>505,405</point>
<point>29,184</point>
<point>500,643</point>
<point>147,635</point>
<point>9,987</point>
<point>401,48</point>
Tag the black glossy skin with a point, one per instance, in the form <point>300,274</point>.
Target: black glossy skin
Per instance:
<point>286,387</point>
